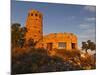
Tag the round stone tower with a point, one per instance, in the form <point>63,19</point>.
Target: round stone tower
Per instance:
<point>34,25</point>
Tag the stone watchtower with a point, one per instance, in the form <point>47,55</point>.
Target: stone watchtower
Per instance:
<point>34,25</point>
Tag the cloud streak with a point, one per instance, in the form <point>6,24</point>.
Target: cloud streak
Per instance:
<point>84,26</point>
<point>88,30</point>
<point>90,19</point>
<point>90,8</point>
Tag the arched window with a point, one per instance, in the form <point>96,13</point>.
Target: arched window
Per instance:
<point>36,14</point>
<point>31,14</point>
<point>34,35</point>
<point>39,31</point>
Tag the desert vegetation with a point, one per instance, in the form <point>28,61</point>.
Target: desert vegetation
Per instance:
<point>28,59</point>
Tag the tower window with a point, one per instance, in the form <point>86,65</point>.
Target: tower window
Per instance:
<point>36,14</point>
<point>36,19</point>
<point>31,14</point>
<point>39,31</point>
<point>34,35</point>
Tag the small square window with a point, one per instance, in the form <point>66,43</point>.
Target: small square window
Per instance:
<point>39,31</point>
<point>36,19</point>
<point>31,14</point>
<point>36,15</point>
<point>34,35</point>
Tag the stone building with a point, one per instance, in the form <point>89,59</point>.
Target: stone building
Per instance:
<point>64,40</point>
<point>51,41</point>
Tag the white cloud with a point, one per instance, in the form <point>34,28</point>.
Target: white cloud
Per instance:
<point>70,17</point>
<point>84,26</point>
<point>90,8</point>
<point>92,30</point>
<point>90,19</point>
<point>87,34</point>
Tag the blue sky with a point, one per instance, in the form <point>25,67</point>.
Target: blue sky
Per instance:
<point>78,19</point>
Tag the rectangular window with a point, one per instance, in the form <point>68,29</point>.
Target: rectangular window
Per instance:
<point>62,45</point>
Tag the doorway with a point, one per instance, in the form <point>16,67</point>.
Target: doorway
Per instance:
<point>73,45</point>
<point>49,46</point>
